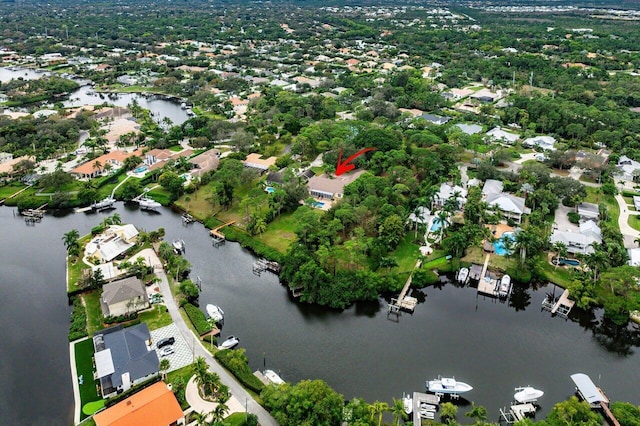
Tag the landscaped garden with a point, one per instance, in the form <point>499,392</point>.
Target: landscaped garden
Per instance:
<point>84,366</point>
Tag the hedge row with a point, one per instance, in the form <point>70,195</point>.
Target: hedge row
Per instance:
<point>237,363</point>
<point>198,319</point>
<point>120,318</point>
<point>78,327</point>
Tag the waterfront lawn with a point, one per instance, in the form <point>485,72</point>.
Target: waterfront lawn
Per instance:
<point>562,276</point>
<point>156,317</point>
<point>405,255</point>
<point>198,206</point>
<point>160,194</point>
<point>280,233</point>
<point>84,365</point>
<point>94,312</point>
<point>74,272</point>
<point>10,189</point>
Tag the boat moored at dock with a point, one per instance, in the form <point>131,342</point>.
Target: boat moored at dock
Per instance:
<point>215,312</point>
<point>463,275</point>
<point>527,394</point>
<point>105,203</point>
<point>447,386</point>
<point>505,286</point>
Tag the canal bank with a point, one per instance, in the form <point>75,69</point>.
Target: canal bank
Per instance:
<point>492,346</point>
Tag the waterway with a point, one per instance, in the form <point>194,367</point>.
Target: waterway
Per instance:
<point>160,106</point>
<point>359,352</point>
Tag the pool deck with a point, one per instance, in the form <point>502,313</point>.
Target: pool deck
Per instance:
<point>500,229</point>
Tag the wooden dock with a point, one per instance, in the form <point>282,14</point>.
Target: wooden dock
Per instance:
<point>420,398</point>
<point>187,219</point>
<point>517,412</point>
<point>262,265</point>
<point>404,302</point>
<point>561,307</point>
<point>217,236</point>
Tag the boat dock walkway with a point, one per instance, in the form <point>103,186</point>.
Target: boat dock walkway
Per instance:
<point>420,398</point>
<point>218,237</point>
<point>562,306</point>
<point>403,301</point>
<point>517,412</point>
<point>261,265</point>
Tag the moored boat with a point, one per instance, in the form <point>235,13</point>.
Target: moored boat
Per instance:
<point>231,342</point>
<point>105,203</point>
<point>527,394</point>
<point>178,246</point>
<point>273,377</point>
<point>215,312</point>
<point>407,403</point>
<point>447,385</point>
<point>146,203</point>
<point>463,275</point>
<point>505,286</point>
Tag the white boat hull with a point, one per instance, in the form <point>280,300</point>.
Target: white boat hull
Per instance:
<point>448,386</point>
<point>230,343</point>
<point>215,313</point>
<point>273,377</point>
<point>407,402</point>
<point>527,394</point>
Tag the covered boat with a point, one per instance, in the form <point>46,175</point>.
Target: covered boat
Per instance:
<point>527,394</point>
<point>463,275</point>
<point>407,402</point>
<point>505,286</point>
<point>446,385</point>
<point>147,203</point>
<point>105,203</point>
<point>273,377</point>
<point>215,312</point>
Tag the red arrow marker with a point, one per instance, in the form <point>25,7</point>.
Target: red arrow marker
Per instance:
<point>345,167</point>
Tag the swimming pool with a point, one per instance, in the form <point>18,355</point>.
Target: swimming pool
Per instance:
<point>318,204</point>
<point>571,262</point>
<point>499,245</point>
<point>141,169</point>
<point>435,225</point>
<point>270,189</point>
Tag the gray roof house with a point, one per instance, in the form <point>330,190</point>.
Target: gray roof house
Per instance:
<point>627,167</point>
<point>492,186</point>
<point>579,242</point>
<point>511,206</point>
<point>123,358</point>
<point>588,211</point>
<point>435,119</point>
<point>498,135</point>
<point>469,129</point>
<point>546,143</point>
<point>123,297</point>
<point>447,191</point>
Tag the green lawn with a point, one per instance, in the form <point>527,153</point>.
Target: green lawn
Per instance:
<point>235,419</point>
<point>160,194</point>
<point>561,276</point>
<point>634,222</point>
<point>594,195</point>
<point>503,263</point>
<point>405,255</point>
<point>8,190</point>
<point>613,208</point>
<point>94,312</point>
<point>84,366</point>
<point>156,317</point>
<point>280,233</point>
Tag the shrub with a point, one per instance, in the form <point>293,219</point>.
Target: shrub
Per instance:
<point>78,327</point>
<point>573,217</point>
<point>97,230</point>
<point>198,319</point>
<point>238,364</point>
<point>120,318</point>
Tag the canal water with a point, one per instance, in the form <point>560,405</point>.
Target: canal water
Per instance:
<point>160,106</point>
<point>359,352</point>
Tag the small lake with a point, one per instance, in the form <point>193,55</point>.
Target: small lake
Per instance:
<point>359,351</point>
<point>160,106</point>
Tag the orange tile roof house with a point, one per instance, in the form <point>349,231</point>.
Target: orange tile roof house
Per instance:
<point>152,406</point>
<point>114,158</point>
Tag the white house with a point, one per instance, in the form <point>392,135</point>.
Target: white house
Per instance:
<point>627,167</point>
<point>511,206</point>
<point>446,192</point>
<point>546,143</point>
<point>497,134</point>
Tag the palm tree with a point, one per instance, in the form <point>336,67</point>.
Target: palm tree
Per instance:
<point>219,413</point>
<point>201,370</point>
<point>397,408</point>
<point>200,418</point>
<point>597,260</point>
<point>477,412</point>
<point>378,408</point>
<point>443,218</point>
<point>260,226</point>
<point>70,240</point>
<point>115,219</point>
<point>561,249</point>
<point>163,367</point>
<point>448,412</point>
<point>97,165</point>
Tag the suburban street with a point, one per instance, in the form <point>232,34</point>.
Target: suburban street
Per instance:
<point>197,348</point>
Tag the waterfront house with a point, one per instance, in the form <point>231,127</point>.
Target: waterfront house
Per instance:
<point>448,191</point>
<point>155,405</point>
<point>330,188</point>
<point>124,358</point>
<point>511,206</point>
<point>116,240</point>
<point>123,297</point>
<point>205,162</point>
<point>96,167</point>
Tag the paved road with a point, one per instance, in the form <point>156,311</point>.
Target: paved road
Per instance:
<point>195,345</point>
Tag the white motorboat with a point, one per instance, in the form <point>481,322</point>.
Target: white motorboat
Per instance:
<point>178,246</point>
<point>273,377</point>
<point>446,385</point>
<point>527,394</point>
<point>215,312</point>
<point>230,343</point>
<point>505,286</point>
<point>463,275</point>
<point>147,203</point>
<point>407,402</point>
<point>105,203</point>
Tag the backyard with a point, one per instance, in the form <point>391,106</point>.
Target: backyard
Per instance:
<point>84,366</point>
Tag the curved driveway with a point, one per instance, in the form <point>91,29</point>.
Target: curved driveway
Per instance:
<point>630,235</point>
<point>264,418</point>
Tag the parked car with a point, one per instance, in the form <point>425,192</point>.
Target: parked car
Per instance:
<point>166,351</point>
<point>165,342</point>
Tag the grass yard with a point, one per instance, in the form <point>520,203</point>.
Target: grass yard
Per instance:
<point>160,194</point>
<point>634,222</point>
<point>594,195</point>
<point>280,233</point>
<point>405,255</point>
<point>477,255</point>
<point>74,272</point>
<point>8,190</point>
<point>197,205</point>
<point>156,317</point>
<point>84,365</point>
<point>613,208</point>
<point>94,312</point>
<point>236,419</point>
<point>183,373</point>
